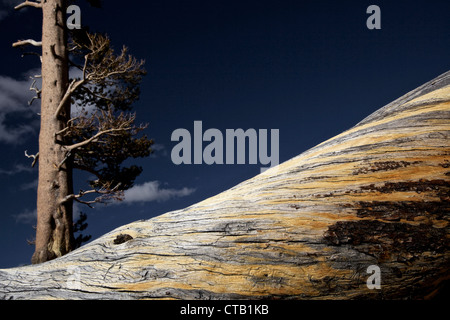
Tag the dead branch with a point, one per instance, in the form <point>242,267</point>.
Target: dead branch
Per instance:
<point>74,85</point>
<point>27,42</point>
<point>32,53</point>
<point>96,136</point>
<point>70,90</point>
<point>34,156</point>
<point>67,156</point>
<point>62,131</point>
<point>76,197</point>
<point>105,192</point>
<point>35,89</point>
<point>68,126</point>
<point>28,3</point>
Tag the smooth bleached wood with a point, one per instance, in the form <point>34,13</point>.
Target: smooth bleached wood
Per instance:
<point>377,194</point>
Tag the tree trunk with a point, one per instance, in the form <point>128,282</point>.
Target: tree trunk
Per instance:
<point>376,195</point>
<point>54,218</point>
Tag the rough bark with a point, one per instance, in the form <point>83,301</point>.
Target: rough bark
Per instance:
<point>54,218</point>
<point>377,194</point>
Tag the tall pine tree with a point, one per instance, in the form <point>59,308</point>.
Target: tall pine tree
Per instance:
<point>86,124</point>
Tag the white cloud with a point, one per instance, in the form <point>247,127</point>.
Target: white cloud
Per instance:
<point>32,185</point>
<point>152,191</point>
<point>18,168</point>
<point>158,147</point>
<point>159,150</point>
<point>17,119</point>
<point>26,216</point>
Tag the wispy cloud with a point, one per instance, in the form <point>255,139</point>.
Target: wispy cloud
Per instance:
<point>152,191</point>
<point>26,216</point>
<point>18,168</point>
<point>17,119</point>
<point>159,150</point>
<point>32,185</point>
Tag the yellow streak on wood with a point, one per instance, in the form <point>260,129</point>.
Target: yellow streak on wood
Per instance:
<point>249,279</point>
<point>440,94</point>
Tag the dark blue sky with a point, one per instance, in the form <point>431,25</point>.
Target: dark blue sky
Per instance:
<point>311,69</point>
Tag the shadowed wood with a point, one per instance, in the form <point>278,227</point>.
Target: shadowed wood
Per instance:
<point>377,194</point>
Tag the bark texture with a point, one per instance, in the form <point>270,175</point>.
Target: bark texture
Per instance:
<point>54,218</point>
<point>377,194</point>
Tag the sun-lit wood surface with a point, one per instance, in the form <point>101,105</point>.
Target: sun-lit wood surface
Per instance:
<point>377,194</point>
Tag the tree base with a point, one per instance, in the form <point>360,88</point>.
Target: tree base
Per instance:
<point>42,255</point>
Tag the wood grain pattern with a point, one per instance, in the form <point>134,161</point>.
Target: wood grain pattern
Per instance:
<point>377,194</point>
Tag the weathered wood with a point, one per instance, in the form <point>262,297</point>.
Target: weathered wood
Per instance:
<point>377,194</point>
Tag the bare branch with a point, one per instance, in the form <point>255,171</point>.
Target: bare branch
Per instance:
<point>35,89</point>
<point>86,59</point>
<point>71,89</point>
<point>32,53</point>
<point>96,136</point>
<point>28,3</point>
<point>77,197</point>
<point>68,154</point>
<point>69,125</point>
<point>27,42</point>
<point>62,131</point>
<point>34,156</point>
<point>104,192</point>
<point>88,203</point>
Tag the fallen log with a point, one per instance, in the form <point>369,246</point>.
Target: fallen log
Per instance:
<point>319,226</point>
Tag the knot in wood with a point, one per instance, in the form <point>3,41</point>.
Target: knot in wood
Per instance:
<point>121,238</point>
